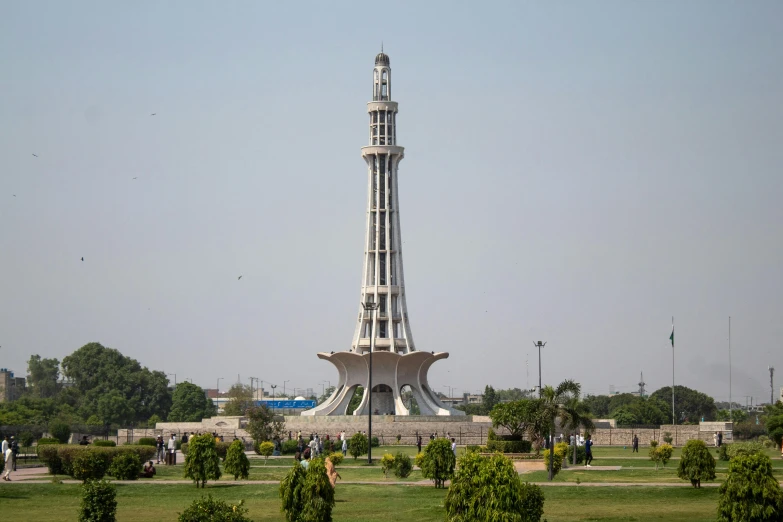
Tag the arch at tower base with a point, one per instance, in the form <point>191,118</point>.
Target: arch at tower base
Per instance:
<point>391,373</point>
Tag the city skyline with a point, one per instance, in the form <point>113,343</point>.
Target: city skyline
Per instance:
<point>582,174</point>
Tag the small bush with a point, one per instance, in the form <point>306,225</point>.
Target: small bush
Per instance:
<point>307,495</point>
<point>387,464</point>
<point>59,458</point>
<point>723,452</point>
<point>48,454</point>
<point>581,452</point>
<point>104,443</point>
<point>265,449</point>
<point>402,465</point>
<point>667,437</point>
<point>237,463</point>
<point>125,466</point>
<point>490,489</point>
<point>376,443</point>
<point>437,462</point>
<point>208,509</point>
<point>147,441</point>
<point>99,502</point>
<point>661,454</point>
<point>60,431</point>
<point>559,453</point>
<point>89,465</point>
<point>696,463</point>
<point>336,458</point>
<point>289,447</point>
<point>48,440</point>
<point>751,492</point>
<point>357,446</point>
<point>202,462</point>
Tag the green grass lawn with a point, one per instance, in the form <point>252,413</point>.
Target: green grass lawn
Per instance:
<point>142,503</point>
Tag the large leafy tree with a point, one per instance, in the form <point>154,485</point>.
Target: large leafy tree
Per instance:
<point>598,405</point>
<point>190,404</point>
<point>43,375</point>
<point>97,371</point>
<point>263,424</point>
<point>517,416</point>
<point>690,405</point>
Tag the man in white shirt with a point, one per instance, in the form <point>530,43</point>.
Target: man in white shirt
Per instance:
<point>173,449</point>
<point>454,446</point>
<point>5,446</point>
<point>9,462</point>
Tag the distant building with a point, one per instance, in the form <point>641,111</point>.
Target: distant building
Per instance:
<point>11,388</point>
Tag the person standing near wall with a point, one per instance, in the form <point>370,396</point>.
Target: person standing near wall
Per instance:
<point>635,444</point>
<point>588,452</point>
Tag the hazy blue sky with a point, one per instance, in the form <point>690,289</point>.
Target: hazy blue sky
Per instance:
<point>575,172</point>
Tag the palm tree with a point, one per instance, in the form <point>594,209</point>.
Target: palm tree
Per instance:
<point>559,403</point>
<point>576,414</point>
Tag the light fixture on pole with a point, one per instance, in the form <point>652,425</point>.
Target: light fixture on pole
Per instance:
<point>373,307</point>
<point>175,378</point>
<point>289,380</point>
<point>273,394</point>
<point>540,345</point>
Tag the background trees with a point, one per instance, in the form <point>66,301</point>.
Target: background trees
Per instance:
<point>240,399</point>
<point>43,375</point>
<point>691,405</point>
<point>190,404</point>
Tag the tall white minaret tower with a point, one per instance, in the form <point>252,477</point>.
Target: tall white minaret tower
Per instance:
<point>384,324</point>
<point>382,355</point>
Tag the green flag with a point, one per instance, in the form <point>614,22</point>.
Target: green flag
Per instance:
<point>671,337</point>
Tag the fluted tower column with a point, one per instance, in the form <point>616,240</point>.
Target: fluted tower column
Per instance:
<point>382,327</point>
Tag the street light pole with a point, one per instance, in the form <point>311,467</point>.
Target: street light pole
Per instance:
<point>373,307</point>
<point>273,394</point>
<point>175,378</point>
<point>540,345</point>
<point>284,386</point>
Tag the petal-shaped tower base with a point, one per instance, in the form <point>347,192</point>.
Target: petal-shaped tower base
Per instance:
<point>391,372</point>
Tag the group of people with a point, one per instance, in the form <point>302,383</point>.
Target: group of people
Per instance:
<point>10,451</point>
<point>315,445</point>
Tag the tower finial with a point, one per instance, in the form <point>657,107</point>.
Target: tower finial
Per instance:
<point>381,45</point>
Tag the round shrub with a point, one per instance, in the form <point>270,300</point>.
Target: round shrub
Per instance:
<point>89,465</point>
<point>264,449</point>
<point>60,431</point>
<point>387,464</point>
<point>289,447</point>
<point>99,502</point>
<point>104,443</point>
<point>375,442</point>
<point>437,461</point>
<point>147,441</point>
<point>490,489</point>
<point>125,466</point>
<point>696,463</point>
<point>208,509</point>
<point>751,492</point>
<point>559,453</point>
<point>336,458</point>
<point>357,445</point>
<point>402,465</point>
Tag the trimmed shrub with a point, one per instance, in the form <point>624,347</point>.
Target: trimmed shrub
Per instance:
<point>147,441</point>
<point>558,455</point>
<point>99,502</point>
<point>59,458</point>
<point>292,494</point>
<point>357,445</point>
<point>265,449</point>
<point>237,463</point>
<point>220,447</point>
<point>202,461</point>
<point>48,440</point>
<point>661,454</point>
<point>437,461</point>
<point>50,457</point>
<point>104,443</point>
<point>489,488</point>
<point>667,437</point>
<point>89,465</point>
<point>208,509</point>
<point>509,446</point>
<point>289,447</point>
<point>696,463</point>
<point>376,443</point>
<point>336,458</point>
<point>580,454</point>
<point>402,465</point>
<point>60,431</point>
<point>751,492</point>
<point>125,466</point>
<point>307,495</point>
<point>387,464</point>
<point>723,452</point>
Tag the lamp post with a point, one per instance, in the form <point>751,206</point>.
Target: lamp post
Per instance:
<point>175,378</point>
<point>289,380</point>
<point>273,394</point>
<point>540,345</point>
<point>373,307</point>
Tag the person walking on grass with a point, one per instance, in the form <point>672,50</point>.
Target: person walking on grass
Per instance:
<point>635,444</point>
<point>9,462</point>
<point>588,452</point>
<point>345,447</point>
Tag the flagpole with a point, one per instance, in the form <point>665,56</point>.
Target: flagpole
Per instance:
<point>674,417</point>
<point>731,418</point>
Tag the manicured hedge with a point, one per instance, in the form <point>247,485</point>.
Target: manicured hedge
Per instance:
<point>289,447</point>
<point>104,443</point>
<point>147,441</point>
<point>59,458</point>
<point>510,446</point>
<point>47,440</point>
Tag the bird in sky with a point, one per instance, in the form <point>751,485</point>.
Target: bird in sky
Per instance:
<point>36,155</point>
<point>136,177</point>
<point>153,114</point>
<point>82,259</point>
<point>238,278</point>
<point>14,195</point>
